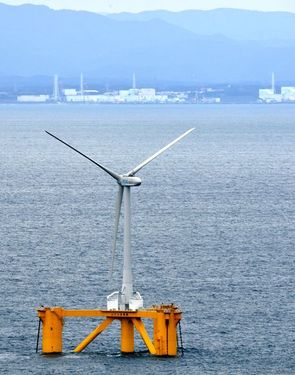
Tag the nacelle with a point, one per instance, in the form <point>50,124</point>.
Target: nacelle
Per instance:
<point>129,181</point>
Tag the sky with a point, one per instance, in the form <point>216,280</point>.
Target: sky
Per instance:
<point>114,6</point>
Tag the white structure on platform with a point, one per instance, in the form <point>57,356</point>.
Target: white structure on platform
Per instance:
<point>126,299</point>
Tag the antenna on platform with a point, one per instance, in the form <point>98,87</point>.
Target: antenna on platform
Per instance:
<point>126,299</point>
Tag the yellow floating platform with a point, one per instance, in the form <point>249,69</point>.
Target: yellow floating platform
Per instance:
<point>165,320</point>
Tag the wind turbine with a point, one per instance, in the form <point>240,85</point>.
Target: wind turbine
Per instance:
<point>126,299</point>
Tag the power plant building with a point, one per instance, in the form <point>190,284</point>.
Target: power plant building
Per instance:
<point>145,95</point>
<point>288,94</point>
<point>33,98</point>
<point>269,96</point>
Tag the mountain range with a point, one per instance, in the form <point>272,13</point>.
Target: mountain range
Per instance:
<point>233,23</point>
<point>219,46</point>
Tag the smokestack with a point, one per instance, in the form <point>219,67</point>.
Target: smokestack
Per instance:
<point>81,84</point>
<point>133,81</point>
<point>273,83</point>
<point>55,88</point>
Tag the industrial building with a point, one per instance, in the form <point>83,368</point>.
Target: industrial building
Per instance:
<point>269,96</point>
<point>33,98</point>
<point>148,95</point>
<point>286,95</point>
<point>144,95</point>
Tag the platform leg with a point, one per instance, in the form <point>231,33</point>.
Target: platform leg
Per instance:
<point>160,334</point>
<point>172,335</point>
<point>127,336</point>
<point>52,324</point>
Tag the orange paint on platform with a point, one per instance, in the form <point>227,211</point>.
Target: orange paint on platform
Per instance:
<point>165,318</point>
<point>52,323</point>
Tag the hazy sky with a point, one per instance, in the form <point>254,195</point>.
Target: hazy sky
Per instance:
<point>111,6</point>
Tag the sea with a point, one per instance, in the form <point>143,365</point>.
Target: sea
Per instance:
<point>212,232</point>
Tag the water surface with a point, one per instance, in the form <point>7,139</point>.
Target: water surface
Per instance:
<point>213,231</point>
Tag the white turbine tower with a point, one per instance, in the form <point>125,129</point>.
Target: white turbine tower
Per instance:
<point>126,299</point>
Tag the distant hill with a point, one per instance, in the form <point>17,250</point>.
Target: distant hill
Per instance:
<point>37,40</point>
<point>232,23</point>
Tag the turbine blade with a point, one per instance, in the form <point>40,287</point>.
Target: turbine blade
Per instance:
<point>145,162</point>
<point>107,170</point>
<point>117,217</point>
